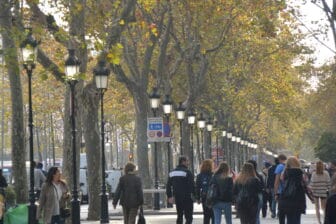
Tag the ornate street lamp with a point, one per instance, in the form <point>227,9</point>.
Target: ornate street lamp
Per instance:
<point>2,62</point>
<point>71,71</point>
<point>101,73</point>
<point>180,114</point>
<point>201,125</point>
<point>191,122</point>
<point>29,53</point>
<point>225,155</point>
<point>167,106</point>
<point>238,139</point>
<point>209,127</point>
<point>154,99</point>
<point>229,148</point>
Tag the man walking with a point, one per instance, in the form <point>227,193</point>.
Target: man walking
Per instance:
<point>180,185</point>
<point>270,185</point>
<point>278,184</point>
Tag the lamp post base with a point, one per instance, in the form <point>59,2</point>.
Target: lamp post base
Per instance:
<point>104,216</point>
<point>32,214</point>
<point>156,201</point>
<point>75,210</point>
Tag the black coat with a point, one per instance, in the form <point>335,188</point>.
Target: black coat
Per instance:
<point>296,203</point>
<point>180,183</point>
<point>129,191</point>
<point>225,188</point>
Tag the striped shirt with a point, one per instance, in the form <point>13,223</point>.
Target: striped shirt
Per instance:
<point>320,184</point>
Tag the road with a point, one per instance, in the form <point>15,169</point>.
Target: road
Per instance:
<point>168,216</point>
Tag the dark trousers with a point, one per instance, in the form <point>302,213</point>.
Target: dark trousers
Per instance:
<point>248,215</point>
<point>294,218</point>
<point>56,219</point>
<point>130,215</point>
<point>207,214</point>
<point>282,217</point>
<point>266,199</point>
<point>184,207</point>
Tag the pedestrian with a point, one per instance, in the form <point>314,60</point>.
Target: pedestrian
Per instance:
<point>3,182</point>
<point>262,193</point>
<point>267,197</point>
<point>332,168</point>
<point>53,198</point>
<point>319,183</point>
<point>202,185</point>
<point>225,194</point>
<point>270,186</point>
<point>278,183</point>
<point>292,200</point>
<point>246,189</point>
<point>330,214</point>
<point>39,179</point>
<point>129,192</point>
<point>180,187</point>
<point>3,185</point>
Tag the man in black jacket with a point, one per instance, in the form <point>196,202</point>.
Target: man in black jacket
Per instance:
<point>181,186</point>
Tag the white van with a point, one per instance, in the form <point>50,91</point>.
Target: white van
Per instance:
<point>112,179</point>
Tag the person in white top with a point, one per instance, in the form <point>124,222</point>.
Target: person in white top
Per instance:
<point>39,179</point>
<point>320,183</point>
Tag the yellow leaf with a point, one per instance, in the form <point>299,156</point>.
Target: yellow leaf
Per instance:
<point>122,22</point>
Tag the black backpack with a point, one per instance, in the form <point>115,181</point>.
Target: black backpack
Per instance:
<point>205,183</point>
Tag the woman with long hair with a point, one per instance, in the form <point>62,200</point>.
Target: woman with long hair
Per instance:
<point>292,201</point>
<point>54,195</point>
<point>319,184</point>
<point>246,189</point>
<point>202,184</point>
<point>130,194</point>
<point>225,194</point>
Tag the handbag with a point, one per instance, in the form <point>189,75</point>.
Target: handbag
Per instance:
<point>65,213</point>
<point>141,217</point>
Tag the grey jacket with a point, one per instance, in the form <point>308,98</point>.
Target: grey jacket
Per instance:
<point>48,199</point>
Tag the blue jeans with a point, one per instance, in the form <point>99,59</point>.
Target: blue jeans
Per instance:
<point>218,208</point>
<point>274,203</point>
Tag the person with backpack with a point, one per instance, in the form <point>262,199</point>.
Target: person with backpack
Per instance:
<point>246,189</point>
<point>225,194</point>
<point>292,200</point>
<point>202,185</point>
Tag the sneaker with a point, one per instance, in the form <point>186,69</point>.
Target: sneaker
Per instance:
<point>273,216</point>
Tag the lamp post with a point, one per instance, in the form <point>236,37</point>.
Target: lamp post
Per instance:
<point>29,53</point>
<point>2,62</point>
<point>238,139</point>
<point>154,98</point>
<point>234,153</point>
<point>229,148</point>
<point>225,151</point>
<point>209,127</point>
<point>180,114</point>
<point>71,70</point>
<point>201,125</point>
<point>191,122</point>
<point>101,73</point>
<point>167,105</point>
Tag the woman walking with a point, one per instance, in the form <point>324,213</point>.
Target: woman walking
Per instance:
<point>53,197</point>
<point>319,184</point>
<point>129,192</point>
<point>292,201</point>
<point>225,194</point>
<point>246,190</point>
<point>202,184</point>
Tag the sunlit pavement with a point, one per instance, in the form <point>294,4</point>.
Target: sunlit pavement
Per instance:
<point>168,216</point>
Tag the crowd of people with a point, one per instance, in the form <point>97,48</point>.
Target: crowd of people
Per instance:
<point>282,186</point>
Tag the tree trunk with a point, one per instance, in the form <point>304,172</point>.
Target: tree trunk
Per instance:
<point>141,104</point>
<point>18,131</point>
<point>93,150</point>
